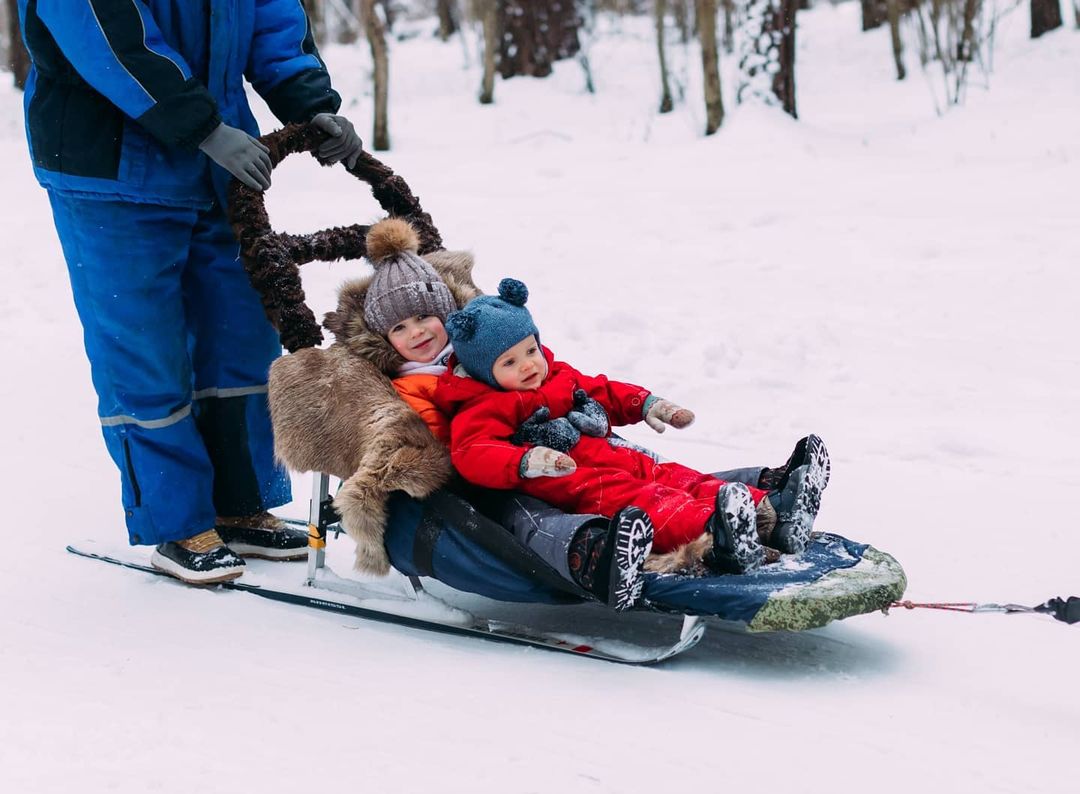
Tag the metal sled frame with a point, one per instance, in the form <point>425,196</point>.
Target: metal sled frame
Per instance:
<point>320,576</point>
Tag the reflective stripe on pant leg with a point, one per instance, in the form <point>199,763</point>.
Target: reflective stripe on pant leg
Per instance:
<point>124,261</point>
<point>232,345</point>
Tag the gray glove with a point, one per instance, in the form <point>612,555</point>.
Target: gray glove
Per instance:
<point>588,415</point>
<point>540,431</point>
<point>241,155</point>
<point>344,145</point>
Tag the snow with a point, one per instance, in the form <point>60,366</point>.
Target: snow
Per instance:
<point>901,283</point>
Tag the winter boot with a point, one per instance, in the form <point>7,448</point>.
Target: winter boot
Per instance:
<point>806,449</point>
<point>735,544</point>
<point>263,535</point>
<point>798,502</point>
<point>608,562</point>
<point>203,559</point>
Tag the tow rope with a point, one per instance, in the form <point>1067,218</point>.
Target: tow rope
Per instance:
<point>1067,610</point>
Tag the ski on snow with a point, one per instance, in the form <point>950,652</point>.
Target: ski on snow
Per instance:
<point>619,651</point>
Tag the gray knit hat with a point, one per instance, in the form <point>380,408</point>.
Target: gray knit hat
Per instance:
<point>404,284</point>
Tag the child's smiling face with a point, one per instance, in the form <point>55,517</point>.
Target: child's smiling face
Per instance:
<point>420,338</point>
<point>522,367</point>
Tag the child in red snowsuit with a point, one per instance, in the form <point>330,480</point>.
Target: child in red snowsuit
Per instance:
<point>522,420</point>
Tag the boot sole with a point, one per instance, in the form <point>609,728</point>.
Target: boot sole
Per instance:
<point>633,542</point>
<point>792,531</point>
<point>188,576</point>
<point>264,553</point>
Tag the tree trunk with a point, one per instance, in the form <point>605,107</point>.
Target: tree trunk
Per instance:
<point>874,14</point>
<point>965,51</point>
<point>682,20</point>
<point>376,36</point>
<point>448,25</point>
<point>710,62</point>
<point>535,34</point>
<point>666,104</point>
<point>1076,12</point>
<point>729,26</point>
<point>784,80</point>
<point>17,56</point>
<point>489,19</point>
<point>1045,16</point>
<point>897,43</point>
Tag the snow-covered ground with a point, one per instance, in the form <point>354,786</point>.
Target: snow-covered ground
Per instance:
<point>901,283</point>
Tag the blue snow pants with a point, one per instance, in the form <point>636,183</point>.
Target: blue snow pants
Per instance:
<point>179,351</point>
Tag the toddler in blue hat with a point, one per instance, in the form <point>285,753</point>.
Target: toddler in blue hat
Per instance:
<point>521,420</point>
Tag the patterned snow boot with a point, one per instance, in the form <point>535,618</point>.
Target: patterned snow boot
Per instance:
<point>806,449</point>
<point>797,502</point>
<point>609,562</point>
<point>735,544</point>
<point>263,535</point>
<point>203,559</point>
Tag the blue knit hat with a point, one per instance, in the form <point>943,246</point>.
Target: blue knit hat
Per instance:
<point>488,326</point>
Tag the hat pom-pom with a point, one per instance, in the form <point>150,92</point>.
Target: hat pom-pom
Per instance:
<point>461,325</point>
<point>513,291</point>
<point>390,238</point>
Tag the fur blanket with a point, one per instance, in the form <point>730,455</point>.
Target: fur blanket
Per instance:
<point>335,411</point>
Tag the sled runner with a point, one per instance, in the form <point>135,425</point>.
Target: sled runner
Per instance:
<point>423,529</point>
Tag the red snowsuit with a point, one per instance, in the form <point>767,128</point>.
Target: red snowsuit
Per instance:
<point>678,499</point>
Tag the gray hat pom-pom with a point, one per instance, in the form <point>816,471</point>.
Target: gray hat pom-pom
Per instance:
<point>513,291</point>
<point>461,325</point>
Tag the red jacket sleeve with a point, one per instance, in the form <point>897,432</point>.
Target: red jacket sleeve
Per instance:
<point>622,401</point>
<point>480,448</point>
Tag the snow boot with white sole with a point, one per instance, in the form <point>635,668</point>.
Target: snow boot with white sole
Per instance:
<point>202,559</point>
<point>263,535</point>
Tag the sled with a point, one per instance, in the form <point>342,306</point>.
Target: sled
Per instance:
<point>445,538</point>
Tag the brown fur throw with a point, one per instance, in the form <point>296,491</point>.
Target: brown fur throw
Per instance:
<point>335,411</point>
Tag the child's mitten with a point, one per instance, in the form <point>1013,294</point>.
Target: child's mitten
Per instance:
<point>545,462</point>
<point>588,415</point>
<point>541,431</point>
<point>660,412</point>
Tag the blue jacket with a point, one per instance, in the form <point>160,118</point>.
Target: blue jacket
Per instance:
<point>121,92</point>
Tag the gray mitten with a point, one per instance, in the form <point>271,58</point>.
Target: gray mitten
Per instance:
<point>344,145</point>
<point>540,431</point>
<point>241,155</point>
<point>588,415</point>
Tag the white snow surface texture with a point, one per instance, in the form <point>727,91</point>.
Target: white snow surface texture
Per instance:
<point>900,283</point>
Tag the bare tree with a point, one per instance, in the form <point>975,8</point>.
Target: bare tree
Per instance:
<point>874,14</point>
<point>893,7</point>
<point>729,26</point>
<point>489,18</point>
<point>375,28</point>
<point>1045,16</point>
<point>666,103</point>
<point>448,18</point>
<point>682,19</point>
<point>18,59</point>
<point>710,63</point>
<point>1076,12</point>
<point>767,53</point>
<point>535,34</point>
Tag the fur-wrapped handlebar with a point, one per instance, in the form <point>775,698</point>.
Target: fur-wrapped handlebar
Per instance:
<point>272,259</point>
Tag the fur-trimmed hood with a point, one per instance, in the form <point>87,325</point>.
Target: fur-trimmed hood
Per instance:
<point>347,321</point>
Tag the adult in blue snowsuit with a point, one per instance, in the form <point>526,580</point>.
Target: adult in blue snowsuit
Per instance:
<point>137,118</point>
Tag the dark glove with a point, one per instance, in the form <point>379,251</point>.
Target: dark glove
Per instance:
<point>241,155</point>
<point>343,145</point>
<point>588,415</point>
<point>540,431</point>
